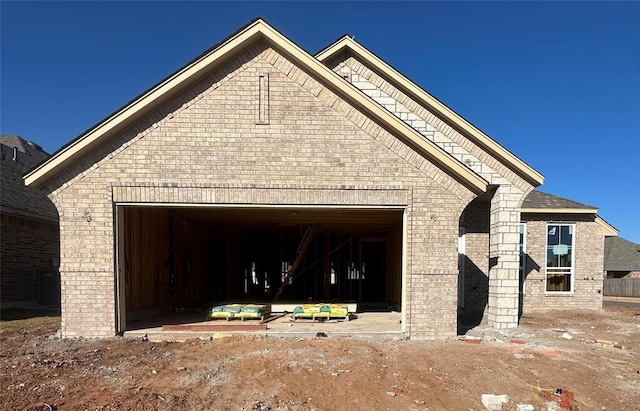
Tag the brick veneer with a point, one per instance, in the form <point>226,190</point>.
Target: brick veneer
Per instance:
<point>588,256</point>
<point>26,246</point>
<point>476,224</point>
<point>492,228</point>
<point>505,203</point>
<point>205,140</point>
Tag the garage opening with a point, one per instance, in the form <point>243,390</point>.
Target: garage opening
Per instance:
<point>189,258</point>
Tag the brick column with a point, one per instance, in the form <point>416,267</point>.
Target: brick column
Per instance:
<point>504,255</point>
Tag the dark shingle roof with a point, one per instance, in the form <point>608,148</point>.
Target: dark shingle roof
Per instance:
<point>15,197</point>
<point>621,255</point>
<point>538,199</point>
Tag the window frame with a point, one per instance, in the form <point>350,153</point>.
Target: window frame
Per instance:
<point>572,268</point>
<point>522,267</point>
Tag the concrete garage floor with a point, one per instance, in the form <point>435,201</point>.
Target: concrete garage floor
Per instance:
<point>365,325</point>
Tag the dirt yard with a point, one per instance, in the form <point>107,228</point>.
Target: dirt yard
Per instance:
<point>41,372</point>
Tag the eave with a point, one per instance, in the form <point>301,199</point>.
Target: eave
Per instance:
<point>257,30</point>
<point>607,229</point>
<point>559,210</point>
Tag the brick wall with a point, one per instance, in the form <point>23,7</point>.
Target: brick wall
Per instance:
<point>588,259</point>
<point>505,203</point>
<point>206,141</point>
<point>476,224</point>
<point>26,245</point>
<point>425,121</point>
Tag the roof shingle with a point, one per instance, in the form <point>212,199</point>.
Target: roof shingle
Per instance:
<point>17,157</point>
<point>621,255</point>
<point>538,199</point>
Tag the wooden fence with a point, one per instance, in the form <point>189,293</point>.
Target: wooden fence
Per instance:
<point>622,287</point>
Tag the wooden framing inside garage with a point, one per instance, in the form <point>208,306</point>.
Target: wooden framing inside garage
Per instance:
<point>258,173</point>
<point>171,256</point>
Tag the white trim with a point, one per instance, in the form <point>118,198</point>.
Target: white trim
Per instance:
<point>260,30</point>
<point>249,206</point>
<point>573,259</point>
<point>405,241</point>
<point>523,255</point>
<point>144,102</point>
<point>462,252</point>
<point>120,268</point>
<point>426,100</point>
<point>559,210</point>
<point>606,228</point>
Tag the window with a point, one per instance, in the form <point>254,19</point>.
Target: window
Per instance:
<point>353,273</point>
<point>560,257</point>
<point>286,266</point>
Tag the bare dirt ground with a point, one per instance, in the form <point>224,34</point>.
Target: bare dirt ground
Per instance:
<point>41,371</point>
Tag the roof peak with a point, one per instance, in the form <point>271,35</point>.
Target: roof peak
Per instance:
<point>427,100</point>
<point>258,30</point>
<point>14,141</point>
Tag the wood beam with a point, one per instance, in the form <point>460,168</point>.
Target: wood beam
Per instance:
<point>306,241</point>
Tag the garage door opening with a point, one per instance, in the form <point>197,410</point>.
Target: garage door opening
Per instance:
<point>172,259</point>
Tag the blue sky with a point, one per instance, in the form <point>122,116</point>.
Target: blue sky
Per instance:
<point>558,84</point>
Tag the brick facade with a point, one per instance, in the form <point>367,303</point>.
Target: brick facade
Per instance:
<point>259,130</point>
<point>504,214</point>
<point>588,260</point>
<point>204,146</point>
<point>475,223</point>
<point>492,279</point>
<point>28,247</point>
<point>29,240</point>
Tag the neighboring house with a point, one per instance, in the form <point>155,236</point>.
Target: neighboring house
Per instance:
<point>621,258</point>
<point>29,233</point>
<point>257,162</point>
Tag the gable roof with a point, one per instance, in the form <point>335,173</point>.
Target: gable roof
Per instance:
<point>17,156</point>
<point>258,30</point>
<point>621,255</point>
<point>452,118</point>
<point>539,202</point>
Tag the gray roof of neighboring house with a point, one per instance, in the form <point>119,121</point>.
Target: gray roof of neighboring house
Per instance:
<point>538,199</point>
<point>17,157</point>
<point>621,255</point>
